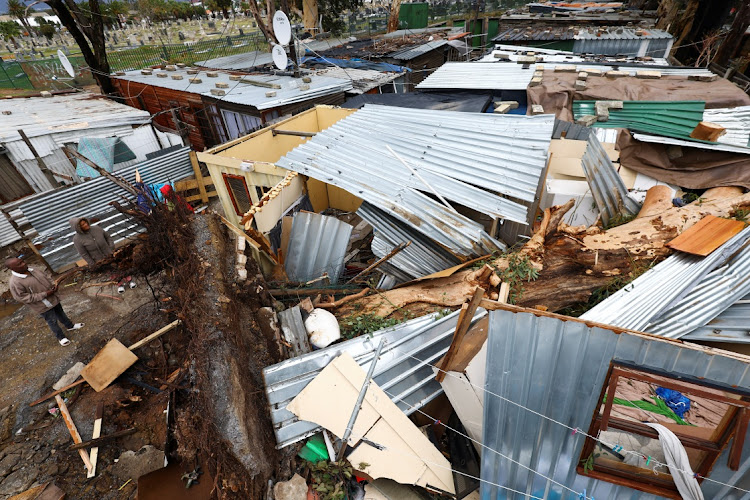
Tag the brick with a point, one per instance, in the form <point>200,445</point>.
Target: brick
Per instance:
<point>304,87</point>
<point>617,74</point>
<point>196,80</point>
<point>212,74</point>
<point>222,85</point>
<point>648,75</point>
<point>218,92</point>
<point>171,68</point>
<point>537,109</point>
<point>271,93</point>
<point>181,65</point>
<point>580,85</point>
<point>193,71</point>
<point>566,68</point>
<point>535,81</point>
<point>587,120</point>
<point>594,72</point>
<point>502,109</point>
<point>512,104</point>
<point>235,78</point>
<point>161,75</point>
<point>306,79</point>
<point>526,59</point>
<point>176,77</point>
<point>45,93</point>
<point>582,75</point>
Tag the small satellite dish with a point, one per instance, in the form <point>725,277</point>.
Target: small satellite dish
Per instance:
<point>279,57</point>
<point>281,28</point>
<point>66,63</point>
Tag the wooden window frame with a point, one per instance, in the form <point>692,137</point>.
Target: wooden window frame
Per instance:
<point>226,176</point>
<point>734,424</point>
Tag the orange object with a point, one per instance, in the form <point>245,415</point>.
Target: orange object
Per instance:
<point>706,235</point>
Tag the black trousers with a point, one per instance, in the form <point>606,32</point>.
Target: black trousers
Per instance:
<point>55,315</point>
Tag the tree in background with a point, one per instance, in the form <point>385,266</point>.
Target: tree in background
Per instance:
<point>9,30</point>
<point>47,28</point>
<point>18,10</point>
<point>332,10</point>
<point>114,10</point>
<point>85,23</point>
<point>222,5</point>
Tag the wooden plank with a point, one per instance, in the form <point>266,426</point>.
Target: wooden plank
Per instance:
<point>72,429</point>
<point>94,455</point>
<point>158,333</point>
<point>735,453</point>
<point>464,321</point>
<point>59,391</point>
<point>108,364</point>
<point>210,194</point>
<point>198,176</point>
<point>706,235</point>
<point>103,439</point>
<point>610,399</point>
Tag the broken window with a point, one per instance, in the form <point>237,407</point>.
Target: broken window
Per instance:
<point>704,418</point>
<point>238,193</point>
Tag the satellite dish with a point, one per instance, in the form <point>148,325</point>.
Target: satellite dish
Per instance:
<point>281,28</point>
<point>66,64</point>
<point>279,57</point>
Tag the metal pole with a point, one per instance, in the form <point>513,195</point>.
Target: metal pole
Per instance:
<point>445,202</point>
<point>360,398</point>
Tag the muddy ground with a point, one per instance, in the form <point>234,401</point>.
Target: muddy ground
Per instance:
<point>33,360</point>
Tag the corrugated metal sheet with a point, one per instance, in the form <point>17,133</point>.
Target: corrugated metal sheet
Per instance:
<point>565,57</point>
<point>49,115</point>
<point>249,60</point>
<point>607,188</point>
<point>363,80</point>
<point>427,339</point>
<point>571,131</point>
<point>291,90</point>
<point>452,151</point>
<point>668,118</point>
<point>419,259</point>
<point>410,53</point>
<point>479,76</point>
<point>640,302</point>
<point>735,120</point>
<point>712,296</point>
<point>317,245</point>
<point>8,233</point>
<point>691,144</point>
<point>733,325</point>
<point>557,368</point>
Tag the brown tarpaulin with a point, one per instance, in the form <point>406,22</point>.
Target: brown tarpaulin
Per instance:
<point>695,169</point>
<point>557,91</point>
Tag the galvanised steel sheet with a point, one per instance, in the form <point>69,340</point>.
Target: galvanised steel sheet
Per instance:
<point>607,188</point>
<point>733,325</point>
<point>8,233</point>
<point>655,291</point>
<point>51,211</point>
<point>557,368</point>
<point>712,296</point>
<point>479,76</point>
<point>397,371</point>
<point>736,121</point>
<point>410,53</point>
<point>317,246</point>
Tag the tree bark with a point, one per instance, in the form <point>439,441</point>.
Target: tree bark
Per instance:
<point>734,37</point>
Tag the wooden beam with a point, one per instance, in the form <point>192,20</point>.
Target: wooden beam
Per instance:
<point>94,455</point>
<point>117,180</point>
<point>59,391</point>
<point>100,440</point>
<point>275,132</point>
<point>73,431</point>
<point>155,335</point>
<point>198,176</point>
<point>735,453</point>
<point>464,322</point>
<point>46,171</point>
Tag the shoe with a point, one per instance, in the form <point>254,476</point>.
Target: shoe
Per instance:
<point>64,342</point>
<point>77,326</point>
<point>120,289</point>
<point>132,284</point>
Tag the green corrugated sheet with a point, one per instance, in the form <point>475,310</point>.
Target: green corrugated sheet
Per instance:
<point>413,15</point>
<point>667,118</point>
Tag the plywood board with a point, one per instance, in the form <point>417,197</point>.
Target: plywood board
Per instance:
<point>407,456</point>
<point>286,232</point>
<point>560,167</point>
<point>108,364</point>
<point>567,148</point>
<point>342,200</point>
<point>706,236</point>
<point>272,210</point>
<point>318,194</point>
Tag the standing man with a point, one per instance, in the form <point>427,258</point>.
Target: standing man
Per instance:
<point>92,242</point>
<point>39,292</point>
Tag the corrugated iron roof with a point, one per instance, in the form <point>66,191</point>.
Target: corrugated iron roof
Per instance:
<point>426,338</point>
<point>38,116</point>
<point>8,233</point>
<point>557,368</point>
<point>736,121</point>
<point>668,118</point>
<point>363,80</point>
<point>732,325</point>
<point>453,152</point>
<point>479,76</point>
<point>237,92</point>
<point>607,188</point>
<point>639,303</point>
<point>317,246</point>
<point>410,53</point>
<point>560,33</point>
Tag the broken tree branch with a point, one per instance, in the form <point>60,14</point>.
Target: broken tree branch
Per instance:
<point>341,302</point>
<point>464,321</point>
<point>371,267</point>
<point>100,440</point>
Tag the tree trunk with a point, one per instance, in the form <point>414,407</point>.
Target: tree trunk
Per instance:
<point>734,37</point>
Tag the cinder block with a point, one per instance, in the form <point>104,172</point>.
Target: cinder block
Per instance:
<point>537,80</point>
<point>587,120</point>
<point>235,78</point>
<point>222,85</point>
<point>176,77</point>
<point>218,92</point>
<point>501,55</point>
<point>566,68</point>
<point>537,109</point>
<point>580,85</point>
<point>271,93</point>
<point>212,74</point>
<point>648,75</point>
<point>241,259</point>
<point>539,67</point>
<point>526,59</point>
<point>502,109</point>
<point>161,75</point>
<point>196,80</point>
<point>582,75</point>
<point>193,71</point>
<point>241,242</point>
<point>617,74</point>
<point>306,79</point>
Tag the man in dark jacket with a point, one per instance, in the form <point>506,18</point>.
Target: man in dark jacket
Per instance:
<point>92,242</point>
<point>39,292</point>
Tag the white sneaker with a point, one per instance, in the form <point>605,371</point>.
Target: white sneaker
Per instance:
<point>77,326</point>
<point>121,289</point>
<point>132,284</point>
<point>64,342</point>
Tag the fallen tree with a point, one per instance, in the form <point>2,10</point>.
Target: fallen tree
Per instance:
<point>572,261</point>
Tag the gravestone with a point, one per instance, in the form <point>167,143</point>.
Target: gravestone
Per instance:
<point>181,36</point>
